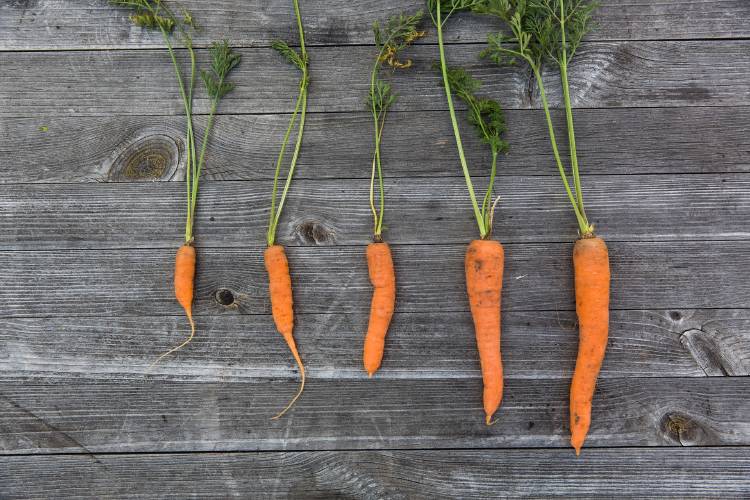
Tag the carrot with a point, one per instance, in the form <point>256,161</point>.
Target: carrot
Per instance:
<point>383,279</point>
<point>591,265</point>
<point>391,38</point>
<point>484,283</point>
<point>277,265</point>
<point>550,32</point>
<point>484,257</point>
<point>282,306</point>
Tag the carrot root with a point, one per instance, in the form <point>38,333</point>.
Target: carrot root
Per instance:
<point>484,282</point>
<point>383,279</point>
<point>184,286</point>
<point>592,281</point>
<point>282,307</point>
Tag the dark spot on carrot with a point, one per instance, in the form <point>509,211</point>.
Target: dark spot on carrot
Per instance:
<point>675,315</point>
<point>477,265</point>
<point>224,297</point>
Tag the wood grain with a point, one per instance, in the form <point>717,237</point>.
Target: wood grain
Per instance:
<point>642,473</point>
<point>647,343</point>
<point>74,415</point>
<point>691,275</point>
<point>76,24</point>
<point>420,211</point>
<point>244,147</point>
<point>141,82</point>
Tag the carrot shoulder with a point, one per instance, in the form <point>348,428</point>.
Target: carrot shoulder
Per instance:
<point>484,283</point>
<point>591,266</point>
<point>282,307</point>
<point>383,279</point>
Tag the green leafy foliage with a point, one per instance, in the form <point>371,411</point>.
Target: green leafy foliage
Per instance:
<point>542,30</point>
<point>292,56</point>
<point>485,114</point>
<point>448,7</point>
<point>395,35</point>
<point>381,97</point>
<point>223,60</point>
<point>150,14</point>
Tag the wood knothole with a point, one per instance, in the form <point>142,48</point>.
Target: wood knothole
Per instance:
<point>224,297</point>
<point>313,232</point>
<point>151,157</point>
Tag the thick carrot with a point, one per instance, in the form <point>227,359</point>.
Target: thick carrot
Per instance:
<point>184,283</point>
<point>383,279</point>
<point>282,306</point>
<point>484,282</point>
<point>591,265</point>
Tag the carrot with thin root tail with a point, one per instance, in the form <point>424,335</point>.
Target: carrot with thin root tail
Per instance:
<point>184,285</point>
<point>484,283</point>
<point>282,307</point>
<point>591,266</point>
<point>383,279</point>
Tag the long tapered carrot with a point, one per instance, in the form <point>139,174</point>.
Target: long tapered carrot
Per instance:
<point>383,279</point>
<point>282,307</point>
<point>484,283</point>
<point>591,265</point>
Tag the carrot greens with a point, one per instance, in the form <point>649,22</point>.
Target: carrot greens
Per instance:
<point>391,39</point>
<point>486,115</point>
<point>299,59</point>
<point>156,14</point>
<point>545,32</point>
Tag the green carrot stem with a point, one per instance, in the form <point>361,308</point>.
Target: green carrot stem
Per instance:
<point>454,122</point>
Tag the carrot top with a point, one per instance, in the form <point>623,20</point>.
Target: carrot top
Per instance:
<point>299,59</point>
<point>485,114</point>
<point>156,14</point>
<point>545,32</point>
<point>391,39</point>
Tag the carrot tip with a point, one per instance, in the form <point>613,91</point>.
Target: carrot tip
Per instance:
<point>370,374</point>
<point>578,450</point>
<point>488,420</point>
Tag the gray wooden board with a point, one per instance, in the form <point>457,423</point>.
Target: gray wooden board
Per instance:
<point>84,415</point>
<point>75,24</point>
<point>538,276</point>
<point>610,75</point>
<point>421,211</point>
<point>244,147</point>
<point>642,343</point>
<point>622,473</point>
<point>90,118</point>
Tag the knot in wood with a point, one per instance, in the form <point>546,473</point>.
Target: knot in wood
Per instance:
<point>148,158</point>
<point>314,232</point>
<point>224,297</point>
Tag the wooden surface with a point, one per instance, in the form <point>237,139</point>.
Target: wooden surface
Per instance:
<point>92,164</point>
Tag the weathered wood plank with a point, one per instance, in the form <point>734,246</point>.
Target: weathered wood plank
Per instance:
<point>147,148</point>
<point>700,274</point>
<point>76,24</point>
<point>612,75</point>
<point>79,415</point>
<point>646,473</point>
<point>420,211</point>
<point>681,343</point>
<point>640,473</point>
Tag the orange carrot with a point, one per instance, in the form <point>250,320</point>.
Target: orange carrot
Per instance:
<point>184,283</point>
<point>484,283</point>
<point>383,279</point>
<point>282,307</point>
<point>591,264</point>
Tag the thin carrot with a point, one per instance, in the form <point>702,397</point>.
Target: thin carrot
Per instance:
<point>550,32</point>
<point>391,38</point>
<point>282,306</point>
<point>277,265</point>
<point>156,14</point>
<point>383,279</point>
<point>484,283</point>
<point>591,265</point>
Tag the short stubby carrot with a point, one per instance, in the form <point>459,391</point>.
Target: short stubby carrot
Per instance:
<point>484,282</point>
<point>591,265</point>
<point>282,306</point>
<point>383,279</point>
